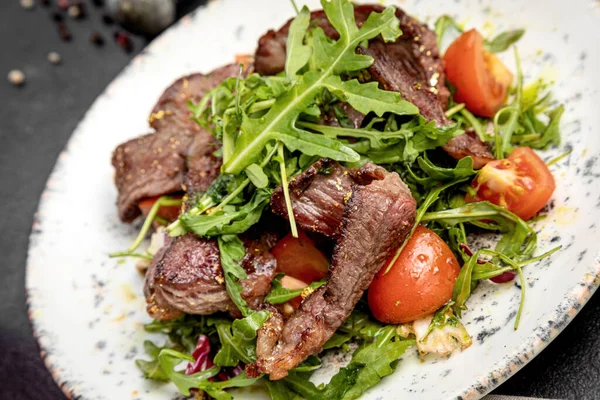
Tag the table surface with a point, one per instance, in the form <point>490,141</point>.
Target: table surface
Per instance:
<point>37,119</point>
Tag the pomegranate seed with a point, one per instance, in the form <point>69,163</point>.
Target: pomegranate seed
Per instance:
<point>124,41</point>
<point>505,277</point>
<point>64,4</point>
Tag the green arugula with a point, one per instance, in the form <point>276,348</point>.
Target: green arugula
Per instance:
<point>279,294</point>
<point>170,359</point>
<point>232,252</point>
<point>151,369</point>
<point>237,339</point>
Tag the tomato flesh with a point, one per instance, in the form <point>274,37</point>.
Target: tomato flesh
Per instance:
<point>521,183</point>
<point>170,213</point>
<point>419,282</point>
<point>300,258</point>
<point>480,78</point>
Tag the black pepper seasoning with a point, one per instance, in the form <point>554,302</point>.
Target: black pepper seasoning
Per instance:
<point>97,39</point>
<point>64,32</point>
<point>98,3</point>
<point>107,19</point>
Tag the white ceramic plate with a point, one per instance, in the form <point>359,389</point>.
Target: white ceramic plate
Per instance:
<point>88,310</point>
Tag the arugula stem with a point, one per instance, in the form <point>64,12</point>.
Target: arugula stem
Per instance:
<point>260,106</point>
<point>475,124</point>
<point>286,191</point>
<point>129,254</point>
<point>295,6</point>
<point>164,201</point>
<point>431,198</point>
<point>455,109</point>
<point>558,158</point>
<point>522,302</point>
<point>175,229</point>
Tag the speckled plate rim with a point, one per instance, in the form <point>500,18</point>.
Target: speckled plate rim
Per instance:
<point>577,297</point>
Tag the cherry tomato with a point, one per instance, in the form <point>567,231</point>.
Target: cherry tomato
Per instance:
<point>419,282</point>
<point>169,212</point>
<point>300,259</point>
<point>522,183</point>
<point>481,79</point>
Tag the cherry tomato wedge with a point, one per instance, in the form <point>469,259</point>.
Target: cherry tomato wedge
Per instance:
<point>522,183</point>
<point>300,258</point>
<point>419,282</point>
<point>481,79</point>
<point>167,212</point>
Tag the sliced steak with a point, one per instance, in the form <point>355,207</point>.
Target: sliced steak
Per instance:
<point>155,164</point>
<point>376,220</point>
<point>186,277</point>
<point>203,167</point>
<point>171,111</point>
<point>469,144</point>
<point>319,196</point>
<point>151,165</point>
<point>392,75</point>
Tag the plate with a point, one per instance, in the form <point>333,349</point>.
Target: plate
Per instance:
<point>87,310</point>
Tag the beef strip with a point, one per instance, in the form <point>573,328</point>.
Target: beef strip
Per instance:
<point>186,277</point>
<point>319,196</point>
<point>155,164</point>
<point>171,111</point>
<point>469,144</point>
<point>203,167</point>
<point>376,219</point>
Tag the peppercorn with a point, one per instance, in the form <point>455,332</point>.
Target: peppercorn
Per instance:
<point>97,39</point>
<point>16,77</point>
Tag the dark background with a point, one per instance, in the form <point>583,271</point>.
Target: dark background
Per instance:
<point>35,122</point>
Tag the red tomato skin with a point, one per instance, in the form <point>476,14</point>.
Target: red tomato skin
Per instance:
<point>170,213</point>
<point>481,79</point>
<point>419,282</point>
<point>522,183</point>
<point>300,258</point>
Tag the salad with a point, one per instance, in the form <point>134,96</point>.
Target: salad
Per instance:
<point>327,194</point>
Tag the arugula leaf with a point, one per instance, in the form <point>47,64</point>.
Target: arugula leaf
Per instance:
<point>367,97</point>
<point>278,390</point>
<point>378,361</point>
<point>217,389</point>
<point>279,294</point>
<point>390,146</point>
<point>230,220</point>
<point>441,26</point>
<point>257,176</point>
<point>183,332</point>
<point>519,240</point>
<point>503,41</point>
<point>152,369</point>
<point>238,339</point>
<point>297,54</point>
<point>437,175</point>
<point>170,359</point>
<point>279,121</point>
<point>463,285</point>
<point>232,252</point>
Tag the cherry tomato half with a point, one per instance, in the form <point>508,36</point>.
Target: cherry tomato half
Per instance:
<point>522,183</point>
<point>170,213</point>
<point>300,258</point>
<point>419,282</point>
<point>481,79</point>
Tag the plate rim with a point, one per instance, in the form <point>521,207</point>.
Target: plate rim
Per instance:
<point>575,299</point>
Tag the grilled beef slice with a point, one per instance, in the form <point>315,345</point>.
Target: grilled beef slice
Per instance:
<point>319,196</point>
<point>155,164</point>
<point>378,215</point>
<point>411,66</point>
<point>186,277</point>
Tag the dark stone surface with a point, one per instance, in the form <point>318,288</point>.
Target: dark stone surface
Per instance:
<point>35,122</point>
